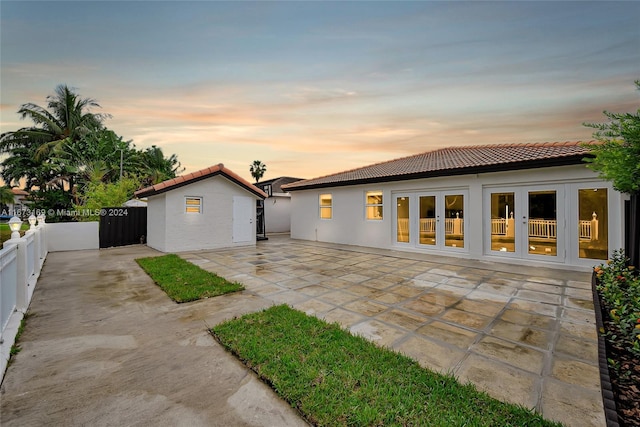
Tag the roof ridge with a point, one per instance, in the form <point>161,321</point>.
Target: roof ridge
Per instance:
<point>523,144</point>
<point>463,147</point>
<point>456,158</point>
<point>367,166</point>
<point>196,176</point>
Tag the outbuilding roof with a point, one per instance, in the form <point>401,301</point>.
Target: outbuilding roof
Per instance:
<point>190,178</point>
<point>277,183</point>
<point>19,192</point>
<point>456,161</point>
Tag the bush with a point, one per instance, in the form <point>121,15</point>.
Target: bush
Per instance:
<point>619,287</point>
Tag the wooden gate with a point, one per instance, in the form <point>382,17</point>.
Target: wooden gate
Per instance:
<point>122,226</point>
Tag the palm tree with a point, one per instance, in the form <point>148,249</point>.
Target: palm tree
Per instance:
<point>6,195</point>
<point>155,167</point>
<point>6,198</point>
<point>33,150</point>
<point>257,170</point>
<point>65,120</point>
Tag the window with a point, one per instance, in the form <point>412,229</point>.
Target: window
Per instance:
<point>193,204</point>
<point>326,206</point>
<point>374,205</point>
<point>503,223</point>
<point>593,223</point>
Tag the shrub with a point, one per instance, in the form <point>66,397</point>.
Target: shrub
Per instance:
<point>619,287</point>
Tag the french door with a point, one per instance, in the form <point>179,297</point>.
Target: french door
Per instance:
<point>526,222</point>
<point>431,219</point>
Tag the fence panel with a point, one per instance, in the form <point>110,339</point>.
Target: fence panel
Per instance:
<point>31,254</point>
<point>498,226</point>
<point>8,286</point>
<point>543,228</point>
<point>585,230</point>
<point>121,226</point>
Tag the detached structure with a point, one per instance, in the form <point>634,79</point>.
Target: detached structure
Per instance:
<point>520,203</point>
<point>277,206</point>
<point>208,209</point>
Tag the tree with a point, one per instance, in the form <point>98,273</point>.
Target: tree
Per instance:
<point>154,167</point>
<point>66,121</point>
<point>101,156</point>
<point>257,170</point>
<point>617,159</point>
<point>6,196</point>
<point>100,194</point>
<point>67,148</point>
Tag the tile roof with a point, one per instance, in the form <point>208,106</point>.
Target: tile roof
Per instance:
<point>456,161</point>
<point>277,183</point>
<point>190,178</point>
<point>19,192</point>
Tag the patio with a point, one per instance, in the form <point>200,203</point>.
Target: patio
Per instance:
<point>106,346</point>
<point>524,335</point>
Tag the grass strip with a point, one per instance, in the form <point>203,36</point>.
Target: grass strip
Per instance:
<point>334,378</point>
<point>183,281</point>
<point>15,348</point>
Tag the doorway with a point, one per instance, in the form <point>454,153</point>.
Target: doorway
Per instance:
<point>431,220</point>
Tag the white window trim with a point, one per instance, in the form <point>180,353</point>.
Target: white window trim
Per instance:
<point>373,205</point>
<point>320,207</point>
<point>187,205</point>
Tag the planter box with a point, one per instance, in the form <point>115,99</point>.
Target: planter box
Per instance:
<point>608,399</point>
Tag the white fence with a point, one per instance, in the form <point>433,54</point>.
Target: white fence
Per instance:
<point>21,260</point>
<point>547,228</point>
<point>428,225</point>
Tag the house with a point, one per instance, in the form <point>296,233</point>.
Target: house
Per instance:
<point>277,206</point>
<point>521,203</point>
<point>208,209</point>
<point>19,206</point>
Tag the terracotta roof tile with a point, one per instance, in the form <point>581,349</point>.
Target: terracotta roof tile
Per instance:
<point>277,183</point>
<point>456,160</point>
<point>19,192</point>
<point>182,180</point>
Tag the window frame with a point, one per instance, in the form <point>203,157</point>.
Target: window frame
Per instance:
<point>328,208</point>
<point>368,205</point>
<point>188,205</point>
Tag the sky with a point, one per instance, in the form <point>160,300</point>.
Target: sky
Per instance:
<point>313,88</point>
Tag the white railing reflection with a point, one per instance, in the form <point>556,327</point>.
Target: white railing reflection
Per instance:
<point>453,226</point>
<point>543,228</point>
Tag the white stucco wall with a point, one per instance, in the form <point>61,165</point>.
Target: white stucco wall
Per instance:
<point>178,231</point>
<point>349,226</point>
<point>72,236</point>
<point>156,220</point>
<point>277,213</point>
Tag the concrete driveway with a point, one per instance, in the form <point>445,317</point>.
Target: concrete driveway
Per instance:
<point>523,335</point>
<point>105,346</point>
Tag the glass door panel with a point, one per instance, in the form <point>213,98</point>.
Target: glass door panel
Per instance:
<point>593,237</point>
<point>428,220</point>
<point>542,223</point>
<point>402,219</point>
<point>454,220</point>
<point>503,231</point>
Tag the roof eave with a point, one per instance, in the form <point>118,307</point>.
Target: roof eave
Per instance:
<point>150,191</point>
<point>502,167</point>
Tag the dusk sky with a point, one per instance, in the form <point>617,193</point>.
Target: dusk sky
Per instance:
<point>313,88</point>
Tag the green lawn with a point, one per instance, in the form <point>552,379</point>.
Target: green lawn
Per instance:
<point>184,281</point>
<point>336,379</point>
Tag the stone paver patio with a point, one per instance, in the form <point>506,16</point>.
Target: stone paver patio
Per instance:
<point>524,335</point>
